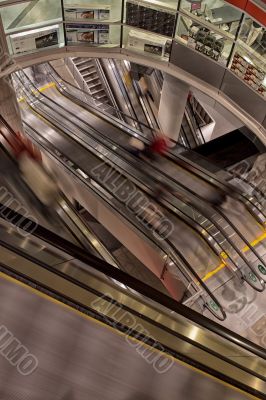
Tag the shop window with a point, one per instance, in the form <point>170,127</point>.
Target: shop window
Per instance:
<point>204,39</point>
<point>253,35</point>
<point>92,11</point>
<point>250,68</point>
<point>218,13</point>
<point>30,15</point>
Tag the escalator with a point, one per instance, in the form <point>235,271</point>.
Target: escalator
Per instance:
<point>244,271</point>
<point>104,77</point>
<point>65,218</point>
<point>177,155</point>
<point>91,330</point>
<point>95,82</point>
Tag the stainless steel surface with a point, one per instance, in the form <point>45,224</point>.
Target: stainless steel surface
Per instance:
<point>157,317</point>
<point>78,356</point>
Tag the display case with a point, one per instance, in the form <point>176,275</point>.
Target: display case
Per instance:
<point>35,40</point>
<point>154,16</point>
<point>253,35</point>
<point>31,15</point>
<point>221,15</point>
<point>204,39</point>
<point>108,11</point>
<point>249,68</point>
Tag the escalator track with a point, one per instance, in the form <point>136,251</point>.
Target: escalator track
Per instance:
<point>160,322</point>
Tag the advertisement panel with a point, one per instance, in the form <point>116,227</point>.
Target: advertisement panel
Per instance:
<point>35,40</point>
<point>79,12</point>
<point>89,33</point>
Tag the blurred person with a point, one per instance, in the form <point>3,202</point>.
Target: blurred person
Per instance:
<point>144,88</point>
<point>158,147</point>
<point>136,146</point>
<point>29,160</point>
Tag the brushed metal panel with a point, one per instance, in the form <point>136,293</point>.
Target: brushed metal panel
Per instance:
<point>197,64</point>
<point>244,96</point>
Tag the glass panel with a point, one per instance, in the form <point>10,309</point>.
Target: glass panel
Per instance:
<point>217,13</point>
<point>103,10</point>
<point>154,16</point>
<point>36,39</point>
<point>254,36</point>
<point>250,68</point>
<point>203,39</point>
<point>149,44</point>
<point>93,34</point>
<point>31,14</point>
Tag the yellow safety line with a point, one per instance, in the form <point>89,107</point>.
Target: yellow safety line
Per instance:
<point>45,87</point>
<point>244,250</point>
<point>115,331</point>
<point>213,272</point>
<point>42,89</point>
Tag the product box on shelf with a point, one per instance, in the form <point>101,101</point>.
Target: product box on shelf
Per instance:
<point>148,43</point>
<point>237,71</point>
<point>249,73</point>
<point>150,18</point>
<point>91,12</point>
<point>262,90</point>
<point>34,40</point>
<point>255,71</point>
<point>93,34</point>
<point>237,64</point>
<point>241,60</point>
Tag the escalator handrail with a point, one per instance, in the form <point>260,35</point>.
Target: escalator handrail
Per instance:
<point>139,286</point>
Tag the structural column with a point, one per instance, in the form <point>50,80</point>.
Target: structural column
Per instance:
<point>172,106</point>
<point>9,108</point>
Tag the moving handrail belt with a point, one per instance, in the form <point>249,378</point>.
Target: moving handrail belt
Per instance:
<point>137,285</point>
<point>157,297</point>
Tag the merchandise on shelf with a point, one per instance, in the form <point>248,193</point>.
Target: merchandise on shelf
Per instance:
<point>93,34</point>
<point>206,42</point>
<point>150,18</point>
<point>76,11</point>
<point>249,73</point>
<point>35,39</point>
<point>148,43</point>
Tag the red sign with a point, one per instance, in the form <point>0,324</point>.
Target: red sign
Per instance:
<point>255,8</point>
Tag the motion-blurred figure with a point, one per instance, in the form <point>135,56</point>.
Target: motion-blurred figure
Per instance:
<point>136,146</point>
<point>157,147</point>
<point>29,160</point>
